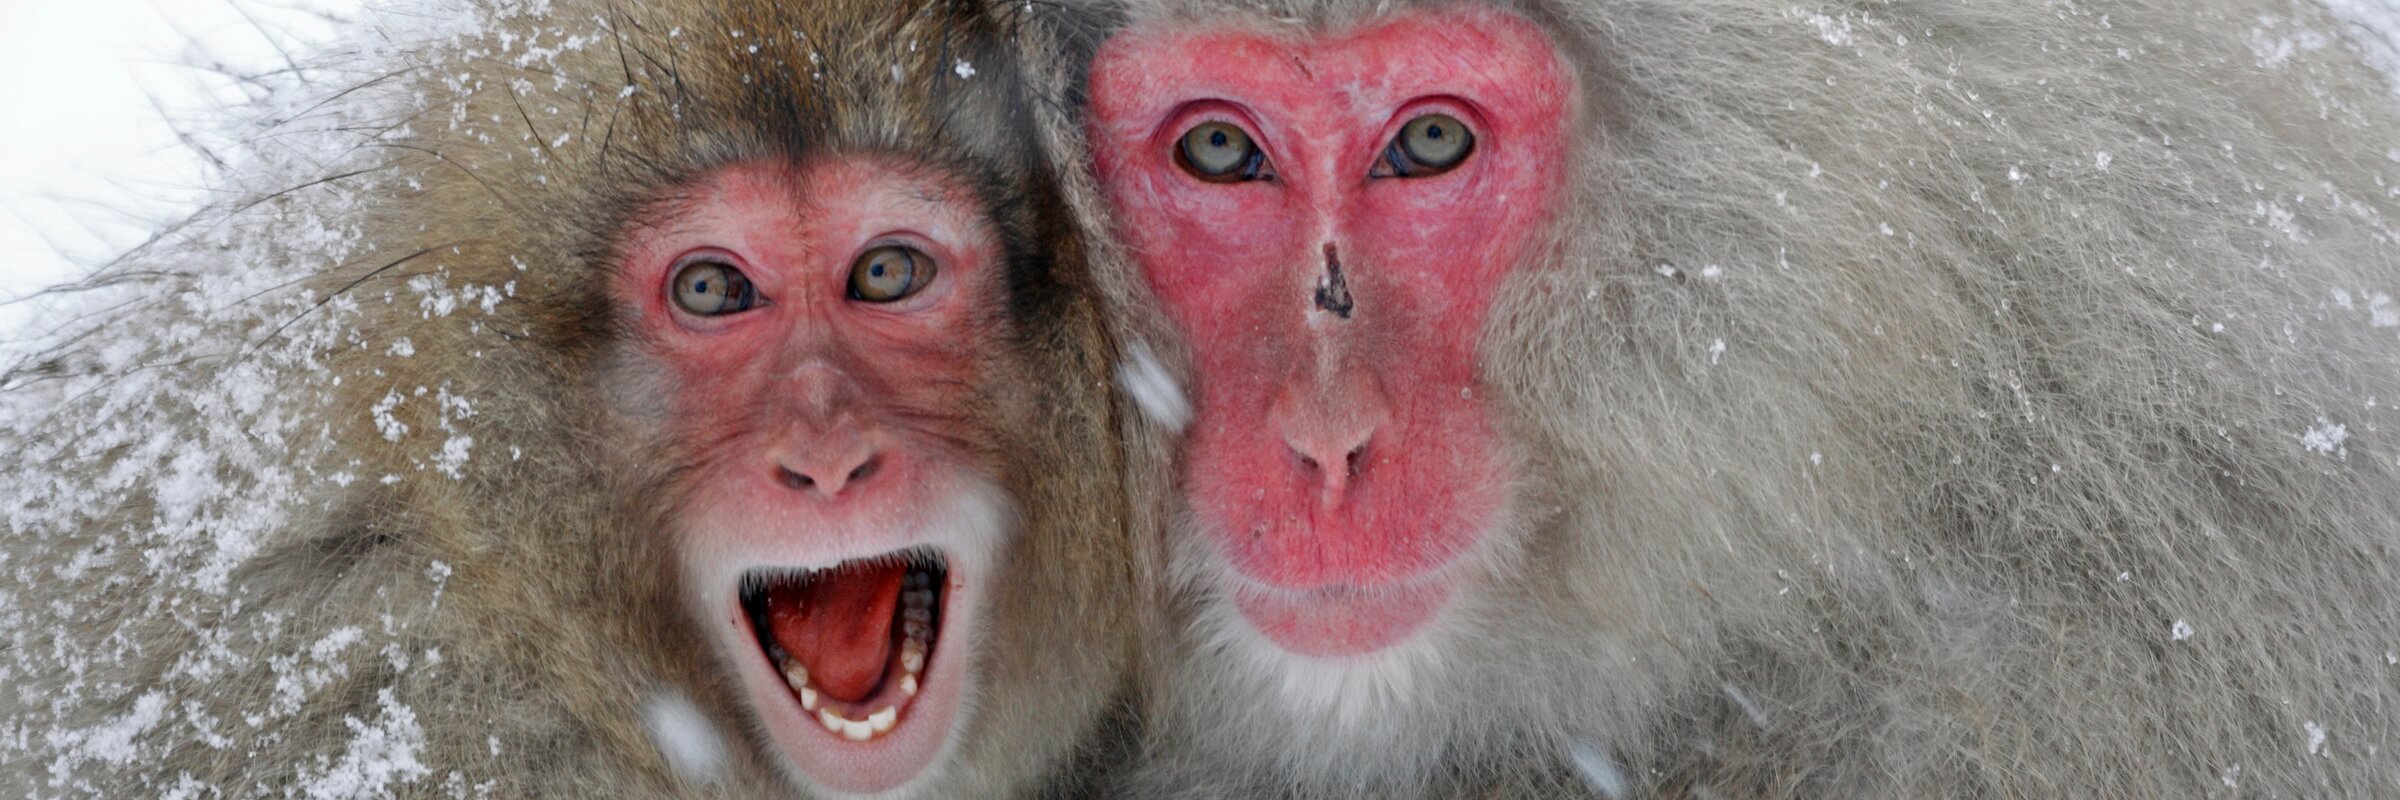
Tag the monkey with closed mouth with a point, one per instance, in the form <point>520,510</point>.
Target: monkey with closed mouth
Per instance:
<point>1734,399</point>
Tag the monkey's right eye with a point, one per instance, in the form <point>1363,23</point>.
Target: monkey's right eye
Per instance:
<point>713,288</point>
<point>890,273</point>
<point>1219,152</point>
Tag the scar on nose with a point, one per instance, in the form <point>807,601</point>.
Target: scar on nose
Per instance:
<point>1333,294</point>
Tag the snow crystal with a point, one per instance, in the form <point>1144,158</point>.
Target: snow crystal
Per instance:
<point>2316,739</point>
<point>2382,312</point>
<point>963,69</point>
<point>684,736</point>
<point>296,679</point>
<point>1750,709</point>
<point>391,427</point>
<point>2326,438</point>
<point>380,755</point>
<point>1597,770</point>
<point>1153,389</point>
<point>2181,630</point>
<point>334,643</point>
<point>111,741</point>
<point>2275,42</point>
<point>453,458</point>
<point>1835,31</point>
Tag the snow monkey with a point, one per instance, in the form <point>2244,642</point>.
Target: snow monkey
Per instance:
<point>1726,398</point>
<point>622,400</point>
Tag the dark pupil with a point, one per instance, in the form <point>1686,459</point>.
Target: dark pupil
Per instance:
<point>876,269</point>
<point>1217,138</point>
<point>700,286</point>
<point>1433,132</point>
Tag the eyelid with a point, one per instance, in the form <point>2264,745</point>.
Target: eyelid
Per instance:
<point>1435,104</point>
<point>1200,112</point>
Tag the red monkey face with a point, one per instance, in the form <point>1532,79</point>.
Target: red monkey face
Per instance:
<point>819,330</point>
<point>1326,219</point>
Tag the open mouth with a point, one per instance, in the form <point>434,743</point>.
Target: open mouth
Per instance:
<point>853,641</point>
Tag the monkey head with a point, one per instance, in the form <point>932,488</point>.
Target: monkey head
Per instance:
<point>815,307</point>
<point>1325,217</point>
<point>823,324</point>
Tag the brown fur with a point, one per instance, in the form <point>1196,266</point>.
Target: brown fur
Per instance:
<point>1993,415</point>
<point>498,625</point>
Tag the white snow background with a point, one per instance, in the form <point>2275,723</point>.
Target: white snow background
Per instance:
<point>96,99</point>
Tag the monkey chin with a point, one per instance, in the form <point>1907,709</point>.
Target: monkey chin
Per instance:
<point>1349,672</point>
<point>895,734</point>
<point>1347,584</point>
<point>1341,621</point>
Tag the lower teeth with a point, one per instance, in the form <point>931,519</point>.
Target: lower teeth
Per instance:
<point>917,598</point>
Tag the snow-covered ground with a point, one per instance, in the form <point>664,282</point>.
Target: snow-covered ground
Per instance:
<point>92,96</point>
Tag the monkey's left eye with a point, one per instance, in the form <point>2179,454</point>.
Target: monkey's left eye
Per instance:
<point>889,273</point>
<point>1219,152</point>
<point>1427,146</point>
<point>713,288</point>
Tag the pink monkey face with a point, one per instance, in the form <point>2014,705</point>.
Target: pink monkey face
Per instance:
<point>816,327</point>
<point>1325,219</point>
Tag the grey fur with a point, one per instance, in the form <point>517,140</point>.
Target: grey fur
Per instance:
<point>1930,399</point>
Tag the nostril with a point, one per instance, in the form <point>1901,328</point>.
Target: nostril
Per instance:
<point>1356,457</point>
<point>866,469</point>
<point>793,479</point>
<point>1308,464</point>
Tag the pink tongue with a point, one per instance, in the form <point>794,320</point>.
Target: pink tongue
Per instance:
<point>840,627</point>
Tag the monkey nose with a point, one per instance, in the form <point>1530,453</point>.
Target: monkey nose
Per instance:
<point>830,467</point>
<point>1333,448</point>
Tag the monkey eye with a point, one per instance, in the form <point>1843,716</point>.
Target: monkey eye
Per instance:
<point>1427,146</point>
<point>712,288</point>
<point>1219,152</point>
<point>890,273</point>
